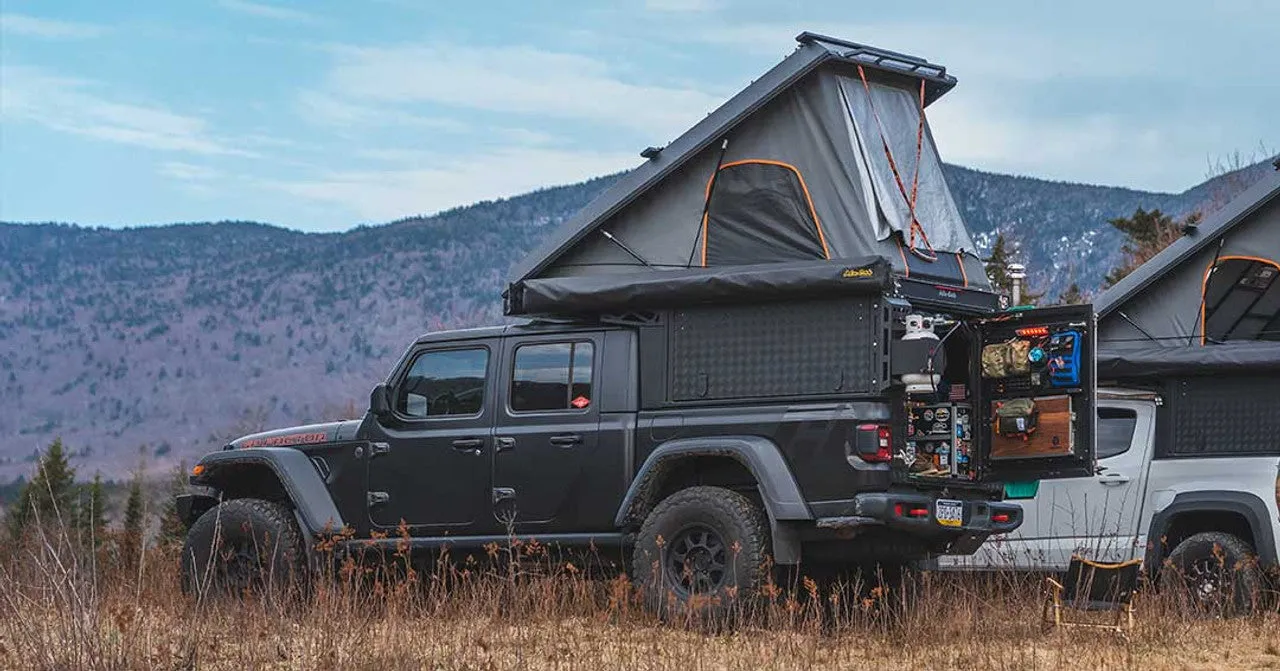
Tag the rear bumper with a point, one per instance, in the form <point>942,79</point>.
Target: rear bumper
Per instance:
<point>915,513</point>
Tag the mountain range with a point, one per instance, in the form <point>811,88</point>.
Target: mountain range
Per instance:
<point>152,345</point>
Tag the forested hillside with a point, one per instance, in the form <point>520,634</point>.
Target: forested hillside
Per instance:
<point>162,342</point>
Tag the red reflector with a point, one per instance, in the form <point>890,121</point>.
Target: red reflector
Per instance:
<point>1000,517</point>
<point>919,512</point>
<point>897,510</point>
<point>868,427</point>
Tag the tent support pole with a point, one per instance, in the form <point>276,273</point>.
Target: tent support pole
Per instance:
<point>609,236</point>
<point>1213,268</point>
<point>1135,325</point>
<point>706,207</point>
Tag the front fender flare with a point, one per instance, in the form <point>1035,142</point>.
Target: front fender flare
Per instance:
<point>297,475</point>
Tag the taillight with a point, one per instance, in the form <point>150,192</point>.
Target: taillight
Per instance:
<point>874,443</point>
<point>1000,518</point>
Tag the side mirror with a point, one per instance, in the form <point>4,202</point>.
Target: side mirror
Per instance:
<point>380,401</point>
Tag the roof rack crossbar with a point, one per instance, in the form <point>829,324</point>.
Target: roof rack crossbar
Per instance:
<point>807,36</point>
<point>878,58</point>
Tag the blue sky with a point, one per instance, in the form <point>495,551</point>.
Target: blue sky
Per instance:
<point>325,114</point>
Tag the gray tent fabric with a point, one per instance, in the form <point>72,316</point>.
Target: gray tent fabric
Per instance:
<point>803,114</point>
<point>1163,302</point>
<point>886,115</point>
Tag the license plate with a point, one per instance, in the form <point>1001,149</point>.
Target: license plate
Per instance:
<point>949,513</point>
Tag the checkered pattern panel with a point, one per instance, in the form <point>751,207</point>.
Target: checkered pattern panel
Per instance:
<point>1229,415</point>
<point>778,349</point>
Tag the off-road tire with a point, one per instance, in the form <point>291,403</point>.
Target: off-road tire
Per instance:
<point>742,532</point>
<point>241,547</point>
<point>1218,573</point>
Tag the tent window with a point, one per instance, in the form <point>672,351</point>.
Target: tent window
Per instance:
<point>1241,298</point>
<point>895,133</point>
<point>758,212</point>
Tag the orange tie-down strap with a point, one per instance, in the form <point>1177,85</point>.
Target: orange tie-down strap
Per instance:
<point>914,228</point>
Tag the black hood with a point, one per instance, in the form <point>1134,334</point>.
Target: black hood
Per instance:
<point>311,434</point>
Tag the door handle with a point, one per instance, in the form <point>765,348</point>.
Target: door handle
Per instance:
<point>471,445</point>
<point>567,440</point>
<point>1113,480</point>
<point>503,444</point>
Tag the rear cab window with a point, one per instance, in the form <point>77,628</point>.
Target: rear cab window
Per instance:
<point>552,377</point>
<point>1115,431</point>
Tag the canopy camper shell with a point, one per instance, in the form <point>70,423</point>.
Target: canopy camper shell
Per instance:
<point>800,244</point>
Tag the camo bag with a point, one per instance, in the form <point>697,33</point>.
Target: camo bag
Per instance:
<point>1016,417</point>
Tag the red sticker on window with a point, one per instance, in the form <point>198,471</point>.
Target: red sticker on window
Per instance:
<point>581,402</point>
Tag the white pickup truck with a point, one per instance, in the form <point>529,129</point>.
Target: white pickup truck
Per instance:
<point>1195,488</point>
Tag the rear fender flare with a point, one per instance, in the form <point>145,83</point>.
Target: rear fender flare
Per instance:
<point>781,495</point>
<point>1247,505</point>
<point>298,477</point>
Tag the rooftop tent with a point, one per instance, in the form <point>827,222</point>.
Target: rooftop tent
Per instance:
<point>826,157</point>
<point>1218,284</point>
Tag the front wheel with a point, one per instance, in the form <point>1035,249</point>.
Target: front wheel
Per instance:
<point>1219,574</point>
<point>702,548</point>
<point>242,546</point>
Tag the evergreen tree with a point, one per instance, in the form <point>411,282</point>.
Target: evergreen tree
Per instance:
<point>1146,234</point>
<point>92,520</point>
<point>997,264</point>
<point>131,538</point>
<point>997,268</point>
<point>49,497</point>
<point>1072,296</point>
<point>172,530</point>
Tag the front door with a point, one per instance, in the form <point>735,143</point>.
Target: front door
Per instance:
<point>429,459</point>
<point>547,433</point>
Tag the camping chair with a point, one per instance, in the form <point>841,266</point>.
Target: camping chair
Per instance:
<point>1094,586</point>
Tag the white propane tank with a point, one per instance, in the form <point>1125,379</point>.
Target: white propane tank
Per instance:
<point>920,327</point>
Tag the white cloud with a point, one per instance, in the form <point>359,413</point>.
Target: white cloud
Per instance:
<point>189,172</point>
<point>683,5</point>
<point>66,104</point>
<point>515,80</point>
<point>328,109</point>
<point>31,26</point>
<point>391,194</point>
<point>265,11</point>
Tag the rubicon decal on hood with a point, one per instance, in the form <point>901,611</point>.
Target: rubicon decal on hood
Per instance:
<point>285,440</point>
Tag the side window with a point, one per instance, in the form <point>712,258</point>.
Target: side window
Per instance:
<point>1115,431</point>
<point>444,383</point>
<point>552,376</point>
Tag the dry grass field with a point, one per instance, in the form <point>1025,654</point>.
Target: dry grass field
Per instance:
<point>60,609</point>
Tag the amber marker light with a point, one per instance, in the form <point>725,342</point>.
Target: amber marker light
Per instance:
<point>197,469</point>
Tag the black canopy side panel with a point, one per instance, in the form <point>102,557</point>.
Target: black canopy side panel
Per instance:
<point>760,212</point>
<point>593,294</point>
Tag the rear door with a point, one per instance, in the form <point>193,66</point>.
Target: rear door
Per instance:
<point>547,432</point>
<point>1035,372</point>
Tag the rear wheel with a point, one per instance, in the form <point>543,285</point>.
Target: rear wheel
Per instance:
<point>1219,573</point>
<point>702,549</point>
<point>243,546</point>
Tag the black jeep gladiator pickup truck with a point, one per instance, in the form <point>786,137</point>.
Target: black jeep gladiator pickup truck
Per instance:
<point>830,429</point>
